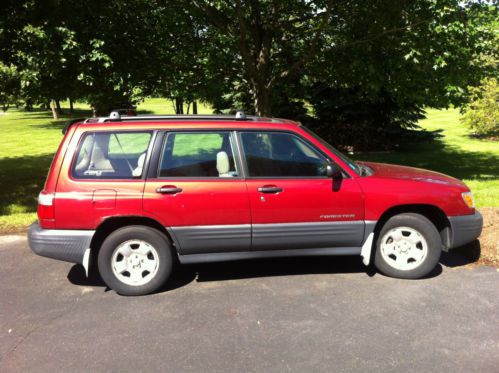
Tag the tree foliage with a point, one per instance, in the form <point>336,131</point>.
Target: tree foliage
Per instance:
<point>366,66</point>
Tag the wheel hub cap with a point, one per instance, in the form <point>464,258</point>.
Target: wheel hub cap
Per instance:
<point>404,248</point>
<point>135,262</point>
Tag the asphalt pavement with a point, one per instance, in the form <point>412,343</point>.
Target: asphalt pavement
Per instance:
<point>296,315</point>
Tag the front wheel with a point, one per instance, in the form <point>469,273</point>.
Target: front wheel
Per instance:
<point>135,260</point>
<point>408,246</point>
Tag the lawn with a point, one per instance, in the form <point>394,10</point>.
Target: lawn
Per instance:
<point>29,140</point>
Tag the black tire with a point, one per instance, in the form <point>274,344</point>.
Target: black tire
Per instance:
<point>151,237</point>
<point>427,230</point>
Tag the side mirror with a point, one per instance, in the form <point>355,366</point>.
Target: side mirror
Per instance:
<point>333,171</point>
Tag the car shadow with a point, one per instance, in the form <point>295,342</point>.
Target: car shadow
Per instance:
<point>183,275</point>
<point>180,277</point>
<point>273,267</point>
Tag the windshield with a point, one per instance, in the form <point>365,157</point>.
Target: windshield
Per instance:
<point>335,151</point>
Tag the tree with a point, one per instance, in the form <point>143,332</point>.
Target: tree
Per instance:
<point>273,39</point>
<point>107,53</point>
<point>272,57</point>
<point>9,83</point>
<point>42,49</point>
<point>392,61</point>
<point>384,60</point>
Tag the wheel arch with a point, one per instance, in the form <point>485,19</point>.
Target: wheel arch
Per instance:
<point>111,224</point>
<point>433,213</point>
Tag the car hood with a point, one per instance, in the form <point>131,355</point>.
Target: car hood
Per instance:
<point>392,171</point>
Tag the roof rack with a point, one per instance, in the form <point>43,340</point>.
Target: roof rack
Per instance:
<point>115,116</point>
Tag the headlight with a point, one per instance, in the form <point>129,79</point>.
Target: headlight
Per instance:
<point>468,199</point>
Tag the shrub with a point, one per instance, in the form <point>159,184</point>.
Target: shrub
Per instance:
<point>482,113</point>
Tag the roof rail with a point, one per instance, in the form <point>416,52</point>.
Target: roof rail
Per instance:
<point>115,116</point>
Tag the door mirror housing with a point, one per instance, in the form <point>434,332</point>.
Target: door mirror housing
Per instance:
<point>333,171</point>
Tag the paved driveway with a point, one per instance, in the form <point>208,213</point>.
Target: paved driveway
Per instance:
<point>298,315</point>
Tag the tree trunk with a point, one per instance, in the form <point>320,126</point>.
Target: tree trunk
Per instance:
<point>262,99</point>
<point>71,106</point>
<point>28,105</point>
<point>194,107</point>
<point>179,105</point>
<point>58,106</point>
<point>53,107</point>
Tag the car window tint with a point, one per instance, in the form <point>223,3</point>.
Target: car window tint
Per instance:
<point>208,154</point>
<point>275,154</point>
<point>111,155</point>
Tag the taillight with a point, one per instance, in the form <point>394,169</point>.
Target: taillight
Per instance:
<point>45,205</point>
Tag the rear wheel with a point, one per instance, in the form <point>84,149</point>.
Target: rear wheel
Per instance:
<point>408,246</point>
<point>135,260</point>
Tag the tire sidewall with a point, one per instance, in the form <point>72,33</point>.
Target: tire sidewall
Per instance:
<point>149,235</point>
<point>426,228</point>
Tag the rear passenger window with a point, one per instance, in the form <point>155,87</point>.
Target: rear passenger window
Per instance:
<point>207,154</point>
<point>111,155</point>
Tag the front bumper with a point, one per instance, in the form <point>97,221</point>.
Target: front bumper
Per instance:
<point>464,229</point>
<point>67,245</point>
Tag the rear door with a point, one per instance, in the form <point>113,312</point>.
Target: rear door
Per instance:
<point>195,189</point>
<point>294,205</point>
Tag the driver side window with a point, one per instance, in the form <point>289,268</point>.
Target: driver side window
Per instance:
<point>278,154</point>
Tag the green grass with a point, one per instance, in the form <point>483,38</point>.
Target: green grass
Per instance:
<point>28,142</point>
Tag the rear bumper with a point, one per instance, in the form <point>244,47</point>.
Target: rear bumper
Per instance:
<point>464,229</point>
<point>67,245</point>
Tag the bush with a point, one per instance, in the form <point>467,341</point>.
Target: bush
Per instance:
<point>482,113</point>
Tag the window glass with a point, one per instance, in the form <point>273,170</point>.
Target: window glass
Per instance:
<point>112,155</point>
<point>355,167</point>
<point>275,154</point>
<point>208,154</point>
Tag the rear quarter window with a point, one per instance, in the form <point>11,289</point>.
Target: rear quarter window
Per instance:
<point>111,155</point>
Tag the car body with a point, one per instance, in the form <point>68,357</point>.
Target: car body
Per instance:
<point>219,188</point>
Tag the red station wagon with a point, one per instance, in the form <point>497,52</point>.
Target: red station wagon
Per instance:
<point>130,194</point>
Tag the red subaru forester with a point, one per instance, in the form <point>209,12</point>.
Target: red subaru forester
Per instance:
<point>128,194</point>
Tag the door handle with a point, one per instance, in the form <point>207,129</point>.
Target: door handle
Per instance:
<point>269,189</point>
<point>168,189</point>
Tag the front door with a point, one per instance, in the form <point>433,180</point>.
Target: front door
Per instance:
<point>294,205</point>
<point>196,190</point>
